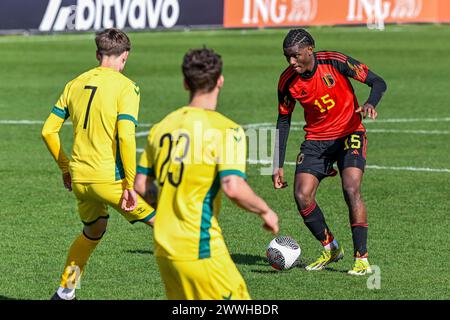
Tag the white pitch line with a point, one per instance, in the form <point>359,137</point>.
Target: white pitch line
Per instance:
<point>256,125</point>
<point>26,122</point>
<point>408,169</point>
<point>264,125</point>
<point>32,122</point>
<point>400,120</point>
<point>436,132</point>
<point>439,132</point>
<point>142,134</point>
<point>302,123</point>
<point>267,162</point>
<point>270,124</point>
<point>426,132</point>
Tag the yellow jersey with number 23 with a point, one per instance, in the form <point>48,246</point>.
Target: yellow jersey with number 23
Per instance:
<point>188,152</point>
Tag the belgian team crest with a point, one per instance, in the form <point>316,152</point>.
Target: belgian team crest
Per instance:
<point>329,80</point>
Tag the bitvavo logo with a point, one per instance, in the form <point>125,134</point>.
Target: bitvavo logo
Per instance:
<point>99,14</point>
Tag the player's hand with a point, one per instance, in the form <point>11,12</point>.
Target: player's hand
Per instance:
<point>278,179</point>
<point>129,200</point>
<point>270,221</point>
<point>367,110</point>
<point>67,181</point>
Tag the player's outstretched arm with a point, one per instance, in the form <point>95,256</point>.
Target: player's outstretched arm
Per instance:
<point>376,83</point>
<point>238,190</point>
<point>378,88</point>
<point>283,127</point>
<point>127,146</point>
<point>50,135</point>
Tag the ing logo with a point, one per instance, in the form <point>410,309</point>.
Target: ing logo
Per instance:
<point>279,11</point>
<point>358,10</point>
<point>302,10</point>
<point>407,8</point>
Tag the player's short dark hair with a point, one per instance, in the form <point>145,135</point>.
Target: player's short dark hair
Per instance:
<point>298,37</point>
<point>112,42</point>
<point>201,69</point>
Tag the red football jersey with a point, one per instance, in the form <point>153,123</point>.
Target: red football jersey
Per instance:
<point>326,95</point>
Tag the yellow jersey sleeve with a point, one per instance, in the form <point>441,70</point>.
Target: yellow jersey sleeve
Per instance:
<point>146,163</point>
<point>128,109</point>
<point>232,152</point>
<point>61,108</point>
<point>127,147</point>
<point>51,128</point>
<point>128,104</point>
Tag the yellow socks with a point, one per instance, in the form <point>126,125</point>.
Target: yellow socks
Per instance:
<point>79,253</point>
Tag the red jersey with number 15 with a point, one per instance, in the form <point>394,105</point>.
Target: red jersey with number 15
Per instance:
<point>326,95</point>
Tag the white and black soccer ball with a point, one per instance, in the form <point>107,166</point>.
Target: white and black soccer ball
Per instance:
<point>283,253</point>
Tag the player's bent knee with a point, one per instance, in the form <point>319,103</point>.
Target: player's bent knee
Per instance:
<point>353,193</point>
<point>96,230</point>
<point>94,235</point>
<point>304,199</point>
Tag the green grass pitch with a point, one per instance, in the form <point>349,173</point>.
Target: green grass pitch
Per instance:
<point>408,210</point>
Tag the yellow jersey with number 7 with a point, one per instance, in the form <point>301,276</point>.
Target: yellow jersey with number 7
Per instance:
<point>95,101</point>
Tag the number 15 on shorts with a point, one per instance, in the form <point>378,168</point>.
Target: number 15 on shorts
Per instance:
<point>355,142</point>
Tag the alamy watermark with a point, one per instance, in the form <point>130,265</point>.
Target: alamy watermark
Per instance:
<point>73,274</point>
<point>229,147</point>
<point>374,281</point>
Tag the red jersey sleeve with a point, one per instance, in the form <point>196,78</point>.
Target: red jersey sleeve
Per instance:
<point>286,103</point>
<point>352,68</point>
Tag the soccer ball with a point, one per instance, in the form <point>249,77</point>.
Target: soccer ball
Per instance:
<point>283,253</point>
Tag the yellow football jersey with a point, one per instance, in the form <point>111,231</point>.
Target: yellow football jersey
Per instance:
<point>188,152</point>
<point>95,101</point>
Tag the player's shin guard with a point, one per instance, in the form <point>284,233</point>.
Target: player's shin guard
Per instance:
<point>79,253</point>
<point>315,221</point>
<point>359,235</point>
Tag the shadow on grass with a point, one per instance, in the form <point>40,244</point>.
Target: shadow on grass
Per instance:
<point>8,298</point>
<point>261,261</point>
<point>268,271</point>
<point>248,259</point>
<point>245,259</point>
<point>304,262</point>
<point>335,270</point>
<point>138,251</point>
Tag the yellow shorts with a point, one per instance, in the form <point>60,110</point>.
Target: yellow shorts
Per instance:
<point>94,199</point>
<point>215,278</point>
